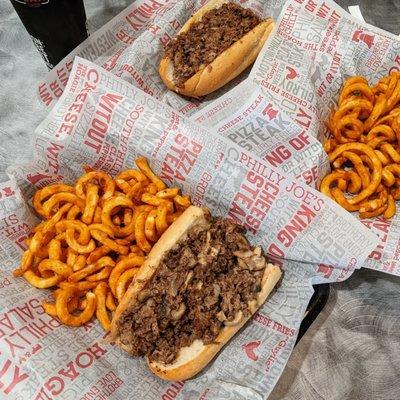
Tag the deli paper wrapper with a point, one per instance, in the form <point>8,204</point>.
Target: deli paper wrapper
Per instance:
<point>314,47</point>
<point>105,122</point>
<point>228,156</point>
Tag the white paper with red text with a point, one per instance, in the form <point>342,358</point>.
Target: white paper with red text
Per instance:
<point>105,122</point>
<point>250,118</point>
<point>315,46</point>
<point>131,46</point>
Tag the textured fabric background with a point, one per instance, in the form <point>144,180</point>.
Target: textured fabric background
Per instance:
<point>352,351</point>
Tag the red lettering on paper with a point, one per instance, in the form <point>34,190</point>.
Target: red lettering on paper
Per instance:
<point>323,10</point>
<point>125,38</point>
<point>99,125</point>
<point>153,29</point>
<point>270,323</point>
<point>309,176</point>
<point>253,201</point>
<point>275,351</point>
<point>70,371</point>
<point>165,39</point>
<point>17,377</point>
<point>175,24</point>
<point>55,385</point>
<point>180,159</point>
<point>278,156</point>
<point>311,5</point>
<point>300,141</point>
<point>296,225</point>
<point>173,390</point>
<point>52,152</point>
<point>138,17</point>
<point>71,117</point>
<point>45,95</point>
<point>56,89</point>
<point>380,226</point>
<point>303,118</point>
<point>201,188</point>
<point>325,269</point>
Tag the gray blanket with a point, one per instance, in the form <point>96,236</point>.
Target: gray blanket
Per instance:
<point>352,351</point>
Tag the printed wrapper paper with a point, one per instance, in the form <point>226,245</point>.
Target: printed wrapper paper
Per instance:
<point>131,46</point>
<point>314,47</point>
<point>251,119</point>
<point>105,122</point>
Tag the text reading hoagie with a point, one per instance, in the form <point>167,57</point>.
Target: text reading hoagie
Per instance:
<point>201,282</point>
<point>214,46</point>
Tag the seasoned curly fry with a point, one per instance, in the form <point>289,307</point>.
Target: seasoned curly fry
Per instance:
<point>94,237</point>
<point>365,141</point>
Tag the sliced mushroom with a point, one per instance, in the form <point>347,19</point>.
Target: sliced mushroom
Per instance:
<point>243,254</point>
<point>252,261</point>
<point>209,301</point>
<point>144,295</point>
<point>259,263</point>
<point>213,299</point>
<point>188,279</point>
<point>215,251</point>
<point>173,287</point>
<point>150,302</point>
<point>241,242</point>
<point>257,251</point>
<point>188,258</point>
<point>177,314</point>
<point>217,290</point>
<point>202,259</point>
<point>221,316</point>
<point>238,318</point>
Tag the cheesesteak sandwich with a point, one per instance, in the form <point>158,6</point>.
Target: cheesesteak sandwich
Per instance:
<point>215,45</point>
<point>199,285</point>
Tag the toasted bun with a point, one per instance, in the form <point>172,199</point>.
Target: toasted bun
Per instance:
<point>229,64</point>
<point>191,359</point>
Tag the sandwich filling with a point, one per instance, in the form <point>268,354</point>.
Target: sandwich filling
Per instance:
<point>204,283</point>
<point>205,40</point>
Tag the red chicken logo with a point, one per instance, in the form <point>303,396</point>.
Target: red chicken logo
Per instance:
<point>270,112</point>
<point>34,179</point>
<point>8,191</point>
<point>360,36</point>
<point>249,349</point>
<point>292,73</point>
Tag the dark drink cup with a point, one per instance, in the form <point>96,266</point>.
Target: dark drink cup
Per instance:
<point>56,26</point>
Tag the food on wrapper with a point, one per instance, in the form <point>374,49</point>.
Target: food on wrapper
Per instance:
<point>94,238</point>
<point>199,285</point>
<point>214,46</point>
<point>364,147</point>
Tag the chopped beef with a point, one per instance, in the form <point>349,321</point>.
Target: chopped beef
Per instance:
<point>201,284</point>
<point>205,40</point>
